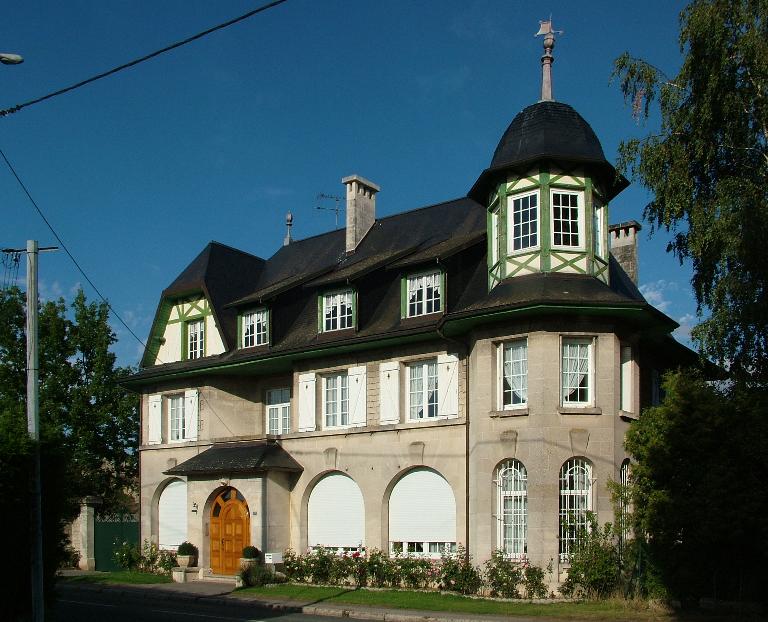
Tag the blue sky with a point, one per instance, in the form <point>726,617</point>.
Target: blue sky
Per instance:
<point>219,139</point>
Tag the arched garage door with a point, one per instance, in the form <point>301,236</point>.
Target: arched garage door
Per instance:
<point>336,514</point>
<point>422,515</point>
<point>172,515</point>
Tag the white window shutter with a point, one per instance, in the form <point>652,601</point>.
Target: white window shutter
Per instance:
<point>154,420</point>
<point>307,402</point>
<point>389,393</point>
<point>448,385</point>
<point>191,413</point>
<point>358,396</point>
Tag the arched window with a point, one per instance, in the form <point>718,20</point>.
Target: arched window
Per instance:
<point>172,515</point>
<point>336,514</point>
<point>624,477</point>
<point>512,508</point>
<point>575,501</point>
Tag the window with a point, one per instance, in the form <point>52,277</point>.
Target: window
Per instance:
<point>514,381</point>
<point>337,311</point>
<point>577,372</point>
<point>524,222</point>
<point>597,231</point>
<point>177,418</point>
<point>422,390</point>
<point>625,380</point>
<point>495,237</point>
<point>423,294</point>
<point>336,392</point>
<point>279,411</point>
<point>657,390</point>
<point>196,339</point>
<point>255,328</point>
<point>565,219</point>
<point>624,527</point>
<point>512,508</point>
<point>575,502</point>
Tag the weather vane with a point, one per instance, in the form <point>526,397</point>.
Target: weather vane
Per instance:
<point>545,28</point>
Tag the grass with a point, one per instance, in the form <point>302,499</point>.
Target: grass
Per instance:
<point>610,609</point>
<point>122,576</point>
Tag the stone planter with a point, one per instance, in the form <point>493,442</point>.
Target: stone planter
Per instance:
<point>247,562</point>
<point>184,561</point>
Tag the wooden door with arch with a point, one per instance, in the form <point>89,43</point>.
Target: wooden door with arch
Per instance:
<point>229,532</point>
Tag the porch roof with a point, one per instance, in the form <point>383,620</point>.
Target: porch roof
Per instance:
<point>238,457</point>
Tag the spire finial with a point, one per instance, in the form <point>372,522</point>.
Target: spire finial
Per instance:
<point>545,28</point>
<point>288,224</point>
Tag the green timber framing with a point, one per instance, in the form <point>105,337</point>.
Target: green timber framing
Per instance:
<point>653,322</point>
<point>549,177</point>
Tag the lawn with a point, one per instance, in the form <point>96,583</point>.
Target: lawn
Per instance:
<point>434,601</point>
<point>122,576</point>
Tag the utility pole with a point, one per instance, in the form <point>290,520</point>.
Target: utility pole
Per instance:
<point>33,427</point>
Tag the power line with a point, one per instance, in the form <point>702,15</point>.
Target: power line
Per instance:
<point>66,250</point>
<point>173,46</point>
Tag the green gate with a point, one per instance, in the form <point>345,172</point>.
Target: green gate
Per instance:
<point>108,533</point>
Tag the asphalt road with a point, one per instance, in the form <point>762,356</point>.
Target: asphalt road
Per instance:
<point>87,607</point>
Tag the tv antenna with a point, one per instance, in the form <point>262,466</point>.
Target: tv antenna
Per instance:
<point>336,208</point>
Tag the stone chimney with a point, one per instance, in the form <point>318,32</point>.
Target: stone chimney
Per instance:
<point>623,243</point>
<point>361,209</point>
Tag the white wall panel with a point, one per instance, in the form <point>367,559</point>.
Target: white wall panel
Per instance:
<point>422,508</point>
<point>336,514</point>
<point>172,515</point>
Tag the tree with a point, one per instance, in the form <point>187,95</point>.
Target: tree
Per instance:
<point>707,170</point>
<point>698,491</point>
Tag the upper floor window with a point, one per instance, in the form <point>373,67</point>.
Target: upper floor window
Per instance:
<point>576,382</point>
<point>279,411</point>
<point>495,240</point>
<point>196,339</point>
<point>514,378</point>
<point>424,293</point>
<point>177,419</point>
<point>566,219</point>
<point>336,400</point>
<point>626,397</point>
<point>422,390</point>
<point>338,311</point>
<point>523,222</point>
<point>597,231</point>
<point>255,328</point>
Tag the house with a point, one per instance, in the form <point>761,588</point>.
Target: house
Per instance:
<point>462,373</point>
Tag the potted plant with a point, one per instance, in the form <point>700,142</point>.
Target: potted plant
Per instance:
<point>251,557</point>
<point>186,554</point>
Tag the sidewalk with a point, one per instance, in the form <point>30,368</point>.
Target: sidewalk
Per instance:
<point>219,593</point>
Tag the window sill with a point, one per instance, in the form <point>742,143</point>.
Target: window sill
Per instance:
<point>512,412</point>
<point>579,410</point>
<point>628,416</point>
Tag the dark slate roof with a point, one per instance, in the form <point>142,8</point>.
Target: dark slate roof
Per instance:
<point>231,458</point>
<point>548,130</point>
<point>223,274</point>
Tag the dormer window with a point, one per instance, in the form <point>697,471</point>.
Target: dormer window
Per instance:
<point>424,293</point>
<point>195,338</point>
<point>338,311</point>
<point>255,328</point>
<point>524,222</point>
<point>567,220</point>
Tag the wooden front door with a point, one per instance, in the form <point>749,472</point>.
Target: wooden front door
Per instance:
<point>230,531</point>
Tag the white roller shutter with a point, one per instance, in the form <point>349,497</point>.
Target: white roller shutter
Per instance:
<point>307,402</point>
<point>448,385</point>
<point>172,515</point>
<point>358,396</point>
<point>336,514</point>
<point>154,420</point>
<point>389,392</point>
<point>422,508</point>
<point>191,409</point>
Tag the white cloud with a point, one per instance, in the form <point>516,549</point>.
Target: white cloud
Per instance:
<point>657,293</point>
<point>49,290</point>
<point>683,332</point>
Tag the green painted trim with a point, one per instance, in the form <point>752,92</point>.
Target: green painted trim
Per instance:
<point>503,216</point>
<point>589,221</point>
<point>403,296</point>
<point>157,333</point>
<point>545,219</point>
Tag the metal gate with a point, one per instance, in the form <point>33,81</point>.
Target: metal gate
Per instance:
<point>109,533</point>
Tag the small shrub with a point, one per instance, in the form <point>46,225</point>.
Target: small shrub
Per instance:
<point>381,571</point>
<point>257,576</point>
<point>126,556</point>
<point>70,558</point>
<point>533,580</point>
<point>595,563</point>
<point>412,572</point>
<point>503,575</point>
<point>295,566</point>
<point>148,559</point>
<point>458,574</point>
<point>186,548</point>
<point>251,552</point>
<point>320,564</point>
<point>166,561</point>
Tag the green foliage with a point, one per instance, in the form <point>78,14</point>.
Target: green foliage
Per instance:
<point>533,580</point>
<point>250,552</point>
<point>148,559</point>
<point>503,575</point>
<point>457,574</point>
<point>707,169</point>
<point>186,548</point>
<point>697,490</point>
<point>595,564</point>
<point>258,575</point>
<point>294,566</point>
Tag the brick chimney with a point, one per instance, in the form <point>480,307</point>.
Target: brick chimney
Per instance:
<point>623,243</point>
<point>361,209</point>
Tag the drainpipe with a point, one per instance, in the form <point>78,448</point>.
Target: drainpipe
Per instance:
<point>465,348</point>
